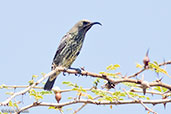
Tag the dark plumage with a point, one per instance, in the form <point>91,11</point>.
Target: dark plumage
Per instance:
<point>69,48</point>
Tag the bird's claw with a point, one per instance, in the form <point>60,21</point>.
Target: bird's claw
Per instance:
<point>79,72</point>
<point>64,72</point>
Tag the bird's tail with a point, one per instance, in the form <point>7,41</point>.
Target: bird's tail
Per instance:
<point>50,82</point>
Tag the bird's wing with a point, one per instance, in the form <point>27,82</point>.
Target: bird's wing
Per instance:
<point>57,58</point>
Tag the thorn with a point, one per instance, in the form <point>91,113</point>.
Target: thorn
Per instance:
<point>144,85</point>
<point>144,91</point>
<point>79,96</point>
<point>160,79</point>
<point>124,76</point>
<point>164,105</point>
<point>83,68</point>
<point>146,59</point>
<point>164,60</point>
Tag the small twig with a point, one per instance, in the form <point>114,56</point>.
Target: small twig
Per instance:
<point>84,105</point>
<point>137,73</point>
<point>23,86</point>
<point>149,92</point>
<point>165,63</point>
<point>147,108</point>
<point>18,86</point>
<point>140,101</point>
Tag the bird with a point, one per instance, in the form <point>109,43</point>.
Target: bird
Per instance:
<point>69,48</point>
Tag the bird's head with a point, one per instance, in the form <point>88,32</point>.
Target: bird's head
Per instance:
<point>84,26</point>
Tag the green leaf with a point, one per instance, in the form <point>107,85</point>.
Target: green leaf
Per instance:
<point>3,86</point>
<point>45,92</point>
<point>157,68</point>
<point>114,75</point>
<point>133,94</point>
<point>34,76</point>
<point>101,99</point>
<point>43,74</point>
<point>69,109</point>
<point>32,91</point>
<point>9,93</point>
<point>164,89</point>
<point>119,94</point>
<point>31,82</point>
<point>5,113</point>
<point>79,89</point>
<point>139,65</point>
<point>39,97</point>
<point>70,84</point>
<point>112,67</point>
<point>116,66</point>
<point>51,107</point>
<point>130,84</point>
<point>155,62</point>
<point>141,96</point>
<point>10,104</point>
<point>160,89</point>
<point>96,81</point>
<point>15,104</point>
<point>90,97</point>
<point>70,98</point>
<point>82,90</point>
<point>108,98</point>
<point>147,98</point>
<point>66,82</point>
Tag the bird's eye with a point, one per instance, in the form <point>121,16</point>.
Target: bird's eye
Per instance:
<point>85,23</point>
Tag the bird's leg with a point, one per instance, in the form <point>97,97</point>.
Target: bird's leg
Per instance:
<point>77,69</point>
<point>65,69</point>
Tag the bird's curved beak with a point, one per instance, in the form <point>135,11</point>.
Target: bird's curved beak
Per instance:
<point>93,23</point>
<point>87,27</point>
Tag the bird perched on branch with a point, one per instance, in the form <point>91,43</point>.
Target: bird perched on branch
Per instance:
<point>69,48</point>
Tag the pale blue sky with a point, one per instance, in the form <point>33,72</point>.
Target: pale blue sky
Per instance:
<point>30,32</point>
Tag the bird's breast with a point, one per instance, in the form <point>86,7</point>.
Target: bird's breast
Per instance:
<point>70,53</point>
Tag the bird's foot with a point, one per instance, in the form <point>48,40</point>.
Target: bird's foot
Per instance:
<point>65,69</point>
<point>79,72</point>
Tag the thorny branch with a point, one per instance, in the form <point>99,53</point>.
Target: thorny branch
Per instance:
<point>137,73</point>
<point>27,89</point>
<point>142,83</point>
<point>160,101</point>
